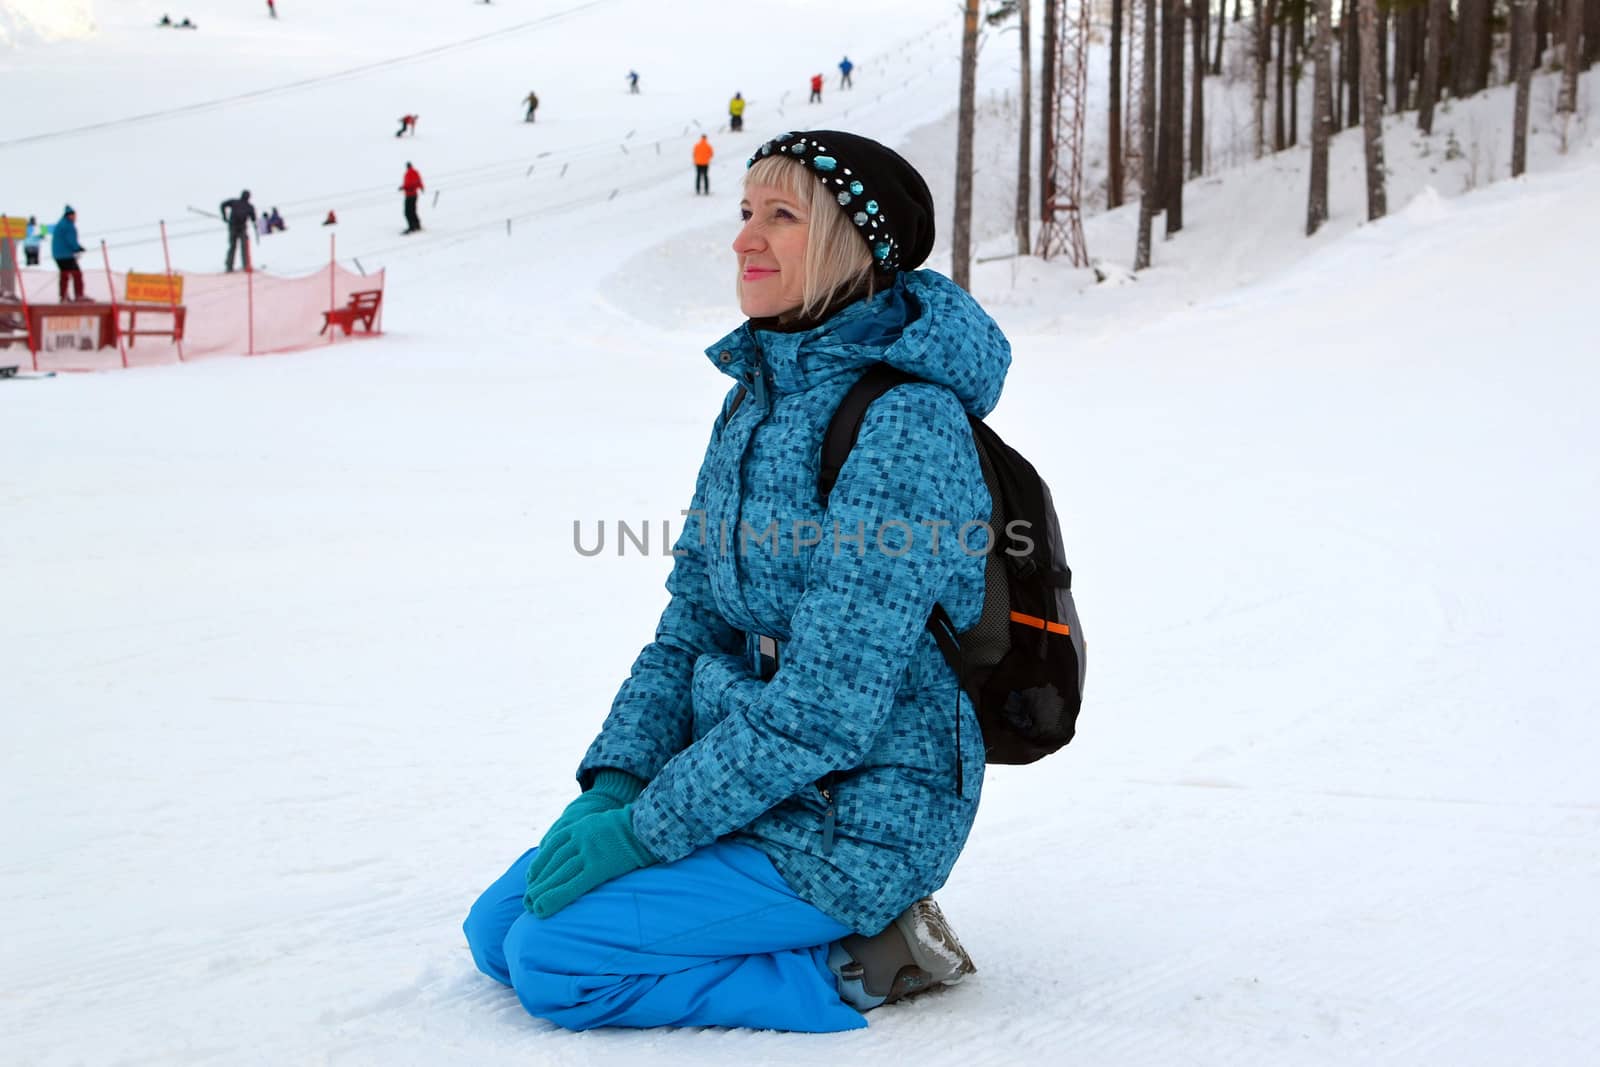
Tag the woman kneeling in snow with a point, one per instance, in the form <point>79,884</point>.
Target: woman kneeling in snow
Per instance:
<point>781,781</point>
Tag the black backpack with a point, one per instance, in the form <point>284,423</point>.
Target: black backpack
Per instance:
<point>1023,662</point>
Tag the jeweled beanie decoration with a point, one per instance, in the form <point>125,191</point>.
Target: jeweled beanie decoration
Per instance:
<point>879,191</point>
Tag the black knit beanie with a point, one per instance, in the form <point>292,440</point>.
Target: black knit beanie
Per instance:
<point>874,186</point>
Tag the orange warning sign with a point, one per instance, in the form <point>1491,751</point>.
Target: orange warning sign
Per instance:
<point>154,288</point>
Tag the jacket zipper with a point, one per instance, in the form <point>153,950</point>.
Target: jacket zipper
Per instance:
<point>824,786</point>
<point>756,383</point>
<point>756,387</point>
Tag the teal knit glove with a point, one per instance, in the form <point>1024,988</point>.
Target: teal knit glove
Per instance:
<point>611,789</point>
<point>586,854</point>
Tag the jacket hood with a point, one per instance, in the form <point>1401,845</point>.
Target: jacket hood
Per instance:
<point>923,324</point>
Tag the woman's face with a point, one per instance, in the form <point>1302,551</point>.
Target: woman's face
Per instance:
<point>771,247</point>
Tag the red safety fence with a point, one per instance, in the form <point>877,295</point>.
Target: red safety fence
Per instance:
<point>243,313</point>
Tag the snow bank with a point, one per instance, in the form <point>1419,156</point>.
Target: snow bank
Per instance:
<point>31,21</point>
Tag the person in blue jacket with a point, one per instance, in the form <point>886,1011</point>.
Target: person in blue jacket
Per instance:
<point>780,783</point>
<point>32,237</point>
<point>64,247</point>
<point>845,67</point>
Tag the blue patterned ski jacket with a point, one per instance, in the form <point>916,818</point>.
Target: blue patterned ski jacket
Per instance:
<point>841,767</point>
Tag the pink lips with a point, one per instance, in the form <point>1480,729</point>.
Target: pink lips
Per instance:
<point>756,274</point>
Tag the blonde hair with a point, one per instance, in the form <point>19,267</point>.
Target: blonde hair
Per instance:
<point>837,260</point>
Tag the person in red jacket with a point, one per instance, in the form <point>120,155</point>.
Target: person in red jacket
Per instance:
<point>408,124</point>
<point>816,89</point>
<point>411,185</point>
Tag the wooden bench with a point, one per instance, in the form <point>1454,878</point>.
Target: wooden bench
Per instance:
<point>362,307</point>
<point>172,328</point>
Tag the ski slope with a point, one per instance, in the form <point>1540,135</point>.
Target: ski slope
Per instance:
<point>300,652</point>
<point>35,21</point>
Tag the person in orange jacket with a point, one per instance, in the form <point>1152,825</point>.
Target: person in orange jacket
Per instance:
<point>411,185</point>
<point>702,166</point>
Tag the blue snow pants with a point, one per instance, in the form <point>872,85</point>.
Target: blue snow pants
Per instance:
<point>716,939</point>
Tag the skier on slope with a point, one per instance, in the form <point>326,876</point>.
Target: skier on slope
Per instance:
<point>239,214</point>
<point>782,779</point>
<point>702,166</point>
<point>411,186</point>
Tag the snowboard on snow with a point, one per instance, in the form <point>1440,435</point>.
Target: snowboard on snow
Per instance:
<point>20,374</point>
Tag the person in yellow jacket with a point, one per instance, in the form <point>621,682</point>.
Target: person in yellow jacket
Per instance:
<point>736,113</point>
<point>702,166</point>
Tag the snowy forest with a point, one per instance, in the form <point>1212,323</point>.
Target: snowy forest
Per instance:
<point>1309,70</point>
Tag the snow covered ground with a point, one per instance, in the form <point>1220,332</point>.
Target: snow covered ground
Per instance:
<point>300,653</point>
<point>32,21</point>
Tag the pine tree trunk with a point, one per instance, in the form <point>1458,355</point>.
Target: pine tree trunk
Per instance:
<point>1352,41</point>
<point>1438,15</point>
<point>1263,50</point>
<point>1591,33</point>
<point>1297,46</point>
<point>1514,55</point>
<point>1419,40</point>
<point>1147,137</point>
<point>1541,31</point>
<point>1383,55</point>
<point>1486,50</point>
<point>1416,35</point>
<point>1169,122</point>
<point>961,238</point>
<point>1174,118</point>
<point>1403,23</point>
<point>1114,142</point>
<point>1465,61</point>
<point>1522,61</point>
<point>1573,27</point>
<point>1222,33</point>
<point>1372,109</point>
<point>1163,107</point>
<point>1278,142</point>
<point>1025,142</point>
<point>1197,88</point>
<point>1321,116</point>
<point>1047,111</point>
<point>1339,71</point>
